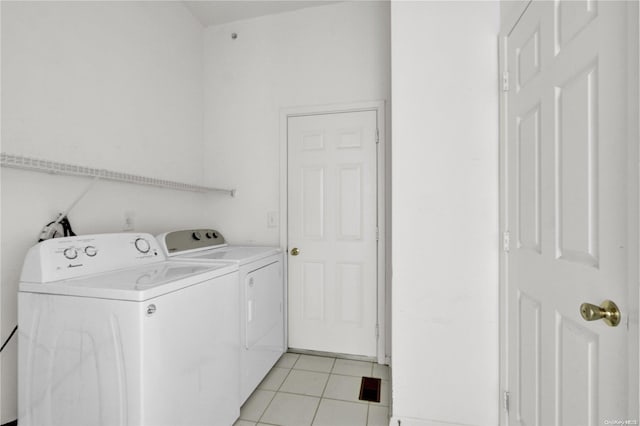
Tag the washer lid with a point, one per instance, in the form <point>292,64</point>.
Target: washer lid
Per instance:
<point>136,284</point>
<point>239,254</point>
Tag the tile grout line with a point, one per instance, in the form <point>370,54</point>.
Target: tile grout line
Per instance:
<point>323,390</point>
<point>359,402</point>
<point>332,372</point>
<point>346,400</point>
<point>366,421</point>
<point>278,390</point>
<point>312,371</point>
<point>273,397</point>
<point>265,409</point>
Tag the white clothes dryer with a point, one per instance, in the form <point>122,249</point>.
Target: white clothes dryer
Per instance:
<point>111,332</point>
<point>261,287</point>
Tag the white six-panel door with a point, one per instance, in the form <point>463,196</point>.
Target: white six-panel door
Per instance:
<point>567,202</point>
<point>332,281</point>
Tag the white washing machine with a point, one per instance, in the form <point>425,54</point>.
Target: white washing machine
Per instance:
<point>111,332</point>
<point>261,287</point>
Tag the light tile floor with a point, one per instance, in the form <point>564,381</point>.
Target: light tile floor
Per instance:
<point>306,390</point>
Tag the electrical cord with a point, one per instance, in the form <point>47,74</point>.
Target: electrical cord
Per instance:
<point>9,338</point>
<point>50,230</point>
<point>66,227</point>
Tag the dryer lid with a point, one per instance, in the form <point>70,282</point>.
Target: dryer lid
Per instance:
<point>239,254</point>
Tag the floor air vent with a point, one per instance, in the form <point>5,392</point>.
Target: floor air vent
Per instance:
<point>370,389</point>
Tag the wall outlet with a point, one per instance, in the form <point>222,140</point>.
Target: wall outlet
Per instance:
<point>272,219</point>
<point>129,220</point>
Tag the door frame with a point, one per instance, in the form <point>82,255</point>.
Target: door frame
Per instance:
<point>379,108</point>
<point>633,81</point>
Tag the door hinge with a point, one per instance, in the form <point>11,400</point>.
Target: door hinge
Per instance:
<point>506,241</point>
<point>505,401</point>
<point>377,330</point>
<point>377,136</point>
<point>377,233</point>
<point>505,81</point>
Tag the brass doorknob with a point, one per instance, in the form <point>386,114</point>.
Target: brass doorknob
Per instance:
<point>295,251</point>
<point>607,311</point>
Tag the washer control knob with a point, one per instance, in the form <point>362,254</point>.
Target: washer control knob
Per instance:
<point>209,235</point>
<point>151,309</point>
<point>90,251</point>
<point>214,235</point>
<point>142,245</point>
<point>70,253</point>
<point>196,236</point>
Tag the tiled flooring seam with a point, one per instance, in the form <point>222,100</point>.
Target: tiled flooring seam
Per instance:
<point>317,369</point>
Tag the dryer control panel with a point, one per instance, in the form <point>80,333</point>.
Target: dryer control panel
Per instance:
<point>189,240</point>
<point>71,257</point>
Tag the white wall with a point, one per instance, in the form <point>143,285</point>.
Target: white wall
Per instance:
<point>445,212</point>
<point>107,84</point>
<point>119,85</point>
<point>331,54</point>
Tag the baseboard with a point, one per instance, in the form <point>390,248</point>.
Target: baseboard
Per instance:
<point>13,423</point>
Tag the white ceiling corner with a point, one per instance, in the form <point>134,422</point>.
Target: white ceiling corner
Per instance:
<point>215,12</point>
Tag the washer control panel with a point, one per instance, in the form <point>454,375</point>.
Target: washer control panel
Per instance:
<point>71,257</point>
<point>142,245</point>
<point>180,242</point>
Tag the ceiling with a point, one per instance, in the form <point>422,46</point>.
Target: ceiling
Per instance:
<point>214,12</point>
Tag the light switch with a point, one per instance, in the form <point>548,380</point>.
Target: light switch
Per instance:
<point>272,219</point>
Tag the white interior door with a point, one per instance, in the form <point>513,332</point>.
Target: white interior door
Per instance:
<point>568,203</point>
<point>332,243</point>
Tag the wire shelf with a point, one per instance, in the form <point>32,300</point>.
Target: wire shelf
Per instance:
<point>54,167</point>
